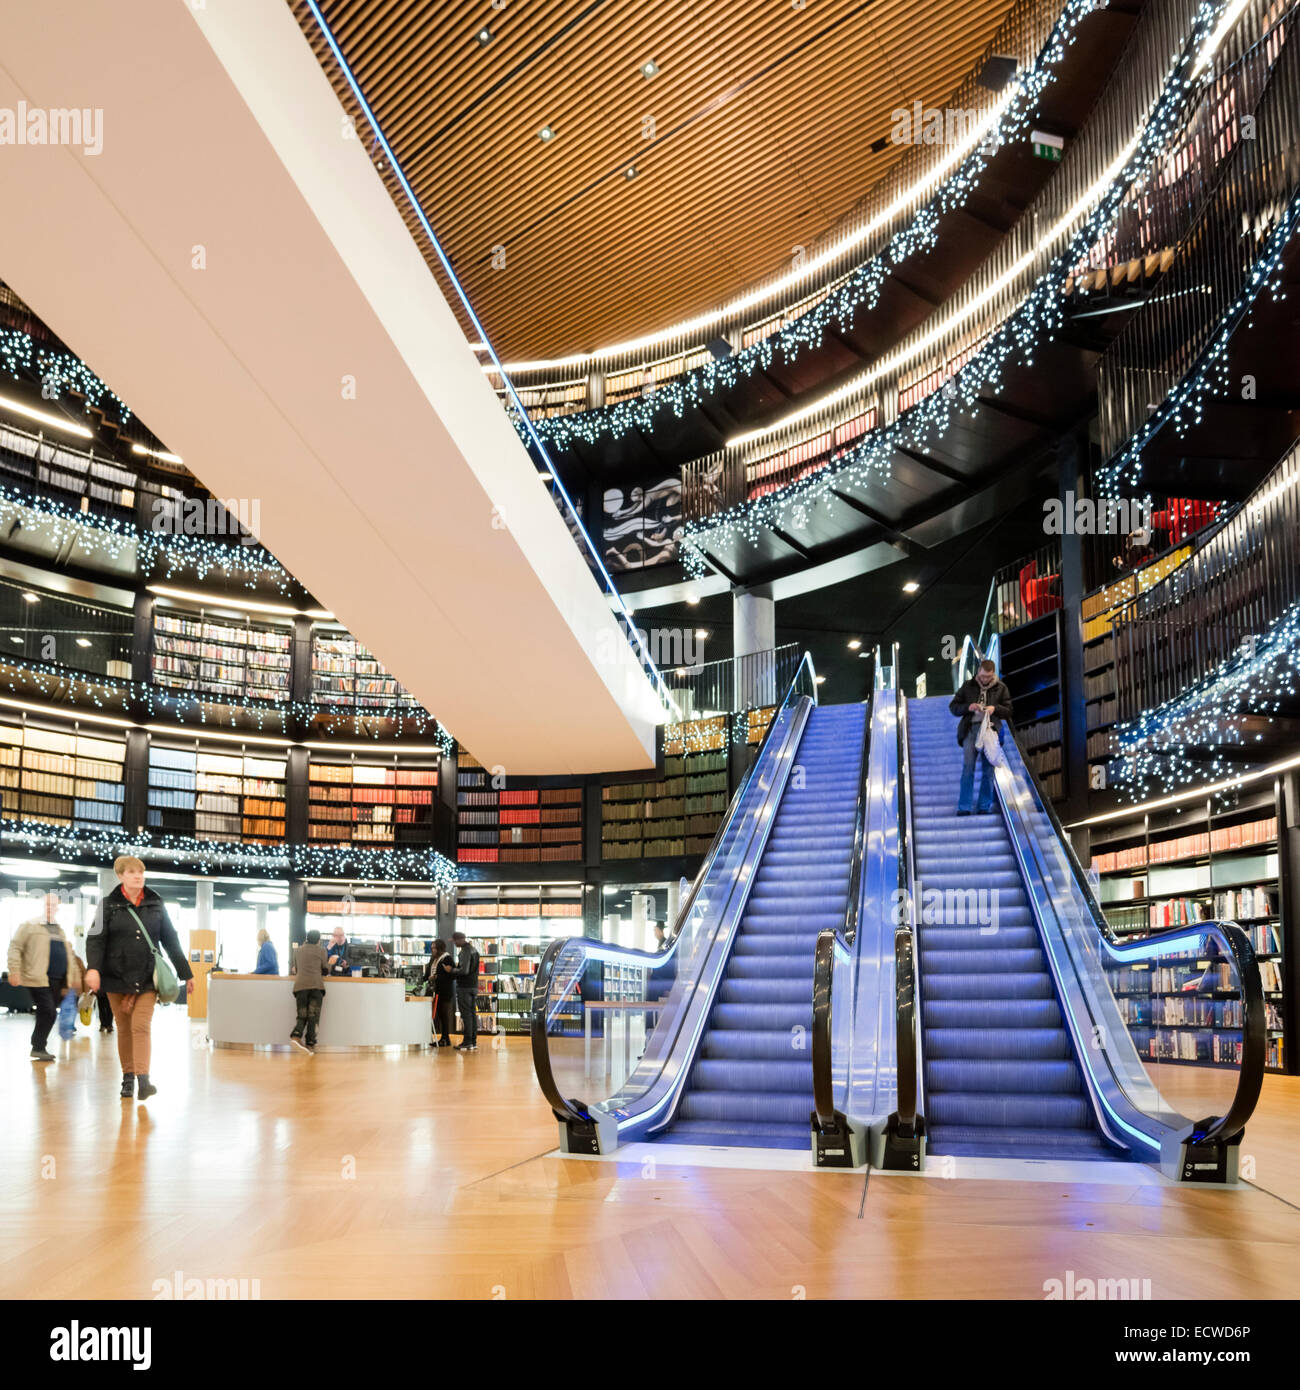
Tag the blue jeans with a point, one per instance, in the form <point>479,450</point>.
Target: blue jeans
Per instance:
<point>969,754</point>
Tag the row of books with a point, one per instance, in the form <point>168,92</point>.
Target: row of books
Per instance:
<point>544,854</point>
<point>231,635</point>
<point>1222,840</point>
<point>372,796</point>
<point>517,909</point>
<point>359,774</point>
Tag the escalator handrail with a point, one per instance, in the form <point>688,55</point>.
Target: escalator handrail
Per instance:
<point>905,985</point>
<point>843,938</point>
<point>1236,944</point>
<point>565,1107</point>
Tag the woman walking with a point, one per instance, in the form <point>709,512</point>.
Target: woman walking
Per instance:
<point>131,922</point>
<point>439,975</point>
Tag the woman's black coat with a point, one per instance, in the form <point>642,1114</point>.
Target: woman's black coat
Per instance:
<point>116,948</point>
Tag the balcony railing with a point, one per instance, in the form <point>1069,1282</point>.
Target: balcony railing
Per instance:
<point>1257,96</point>
<point>1243,578</point>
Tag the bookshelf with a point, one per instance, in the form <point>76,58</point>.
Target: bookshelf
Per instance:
<point>366,804</point>
<point>1202,865</point>
<point>61,778</point>
<point>1098,612</point>
<point>216,795</point>
<point>403,917</point>
<point>222,657</point>
<point>500,824</point>
<point>512,924</point>
<point>1031,669</point>
<point>346,676</point>
<point>679,813</point>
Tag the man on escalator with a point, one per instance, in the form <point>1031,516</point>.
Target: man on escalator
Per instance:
<point>985,698</point>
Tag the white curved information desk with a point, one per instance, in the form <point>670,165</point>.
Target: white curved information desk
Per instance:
<point>259,1011</point>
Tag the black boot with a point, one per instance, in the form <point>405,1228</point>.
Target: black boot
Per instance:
<point>144,1088</point>
<point>128,1085</point>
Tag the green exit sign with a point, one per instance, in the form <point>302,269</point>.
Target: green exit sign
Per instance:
<point>1047,146</point>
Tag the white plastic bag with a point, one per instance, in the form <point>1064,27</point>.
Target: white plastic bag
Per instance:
<point>988,742</point>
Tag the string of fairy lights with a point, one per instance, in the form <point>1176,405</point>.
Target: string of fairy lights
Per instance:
<point>1203,734</point>
<point>78,845</point>
<point>1036,321</point>
<point>58,371</point>
<point>858,292</point>
<point>114,695</point>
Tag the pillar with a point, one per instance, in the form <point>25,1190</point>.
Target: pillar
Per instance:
<point>753,622</point>
<point>297,914</point>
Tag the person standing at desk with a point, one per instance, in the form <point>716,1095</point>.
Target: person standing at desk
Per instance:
<point>268,963</point>
<point>466,975</point>
<point>310,965</point>
<point>337,951</point>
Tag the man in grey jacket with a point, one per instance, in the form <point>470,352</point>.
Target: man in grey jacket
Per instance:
<point>41,957</point>
<point>310,963</point>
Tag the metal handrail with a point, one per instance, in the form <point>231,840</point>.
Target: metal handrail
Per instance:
<point>567,1108</point>
<point>906,990</point>
<point>827,941</point>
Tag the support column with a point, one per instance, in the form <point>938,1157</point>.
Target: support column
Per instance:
<point>135,784</point>
<point>1287,800</point>
<point>1074,710</point>
<point>142,637</point>
<point>297,915</point>
<point>753,621</point>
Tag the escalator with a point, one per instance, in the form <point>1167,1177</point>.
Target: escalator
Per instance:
<point>708,1041</point>
<point>752,1083</point>
<point>1001,1076</point>
<point>1016,1003</point>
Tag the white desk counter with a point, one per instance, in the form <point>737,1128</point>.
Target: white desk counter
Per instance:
<point>259,1011</point>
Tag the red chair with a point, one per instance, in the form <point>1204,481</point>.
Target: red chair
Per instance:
<point>1183,517</point>
<point>1036,594</point>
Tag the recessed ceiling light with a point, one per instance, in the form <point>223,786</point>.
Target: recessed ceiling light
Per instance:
<point>545,134</point>
<point>484,37</point>
<point>854,644</point>
<point>700,633</point>
<point>911,586</point>
<point>16,639</point>
<point>545,477</point>
<point>821,680</point>
<point>650,69</point>
<point>83,641</point>
<point>692,598</point>
<point>630,172</point>
<point>681,671</point>
<point>31,597</point>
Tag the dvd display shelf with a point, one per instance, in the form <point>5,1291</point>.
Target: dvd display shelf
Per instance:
<point>216,796</point>
<point>675,815</point>
<point>1198,866</point>
<point>346,678</point>
<point>61,778</point>
<point>503,824</point>
<point>356,803</point>
<point>221,657</point>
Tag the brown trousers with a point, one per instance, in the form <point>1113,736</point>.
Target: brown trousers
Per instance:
<point>133,1015</point>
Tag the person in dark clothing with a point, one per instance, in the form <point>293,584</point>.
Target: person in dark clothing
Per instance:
<point>439,974</point>
<point>466,977</point>
<point>337,951</point>
<point>310,966</point>
<point>120,960</point>
<point>41,958</point>
<point>984,697</point>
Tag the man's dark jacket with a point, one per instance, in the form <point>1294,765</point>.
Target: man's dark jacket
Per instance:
<point>116,948</point>
<point>972,693</point>
<point>466,971</point>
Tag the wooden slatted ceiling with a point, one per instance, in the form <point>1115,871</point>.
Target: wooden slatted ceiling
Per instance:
<point>764,116</point>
